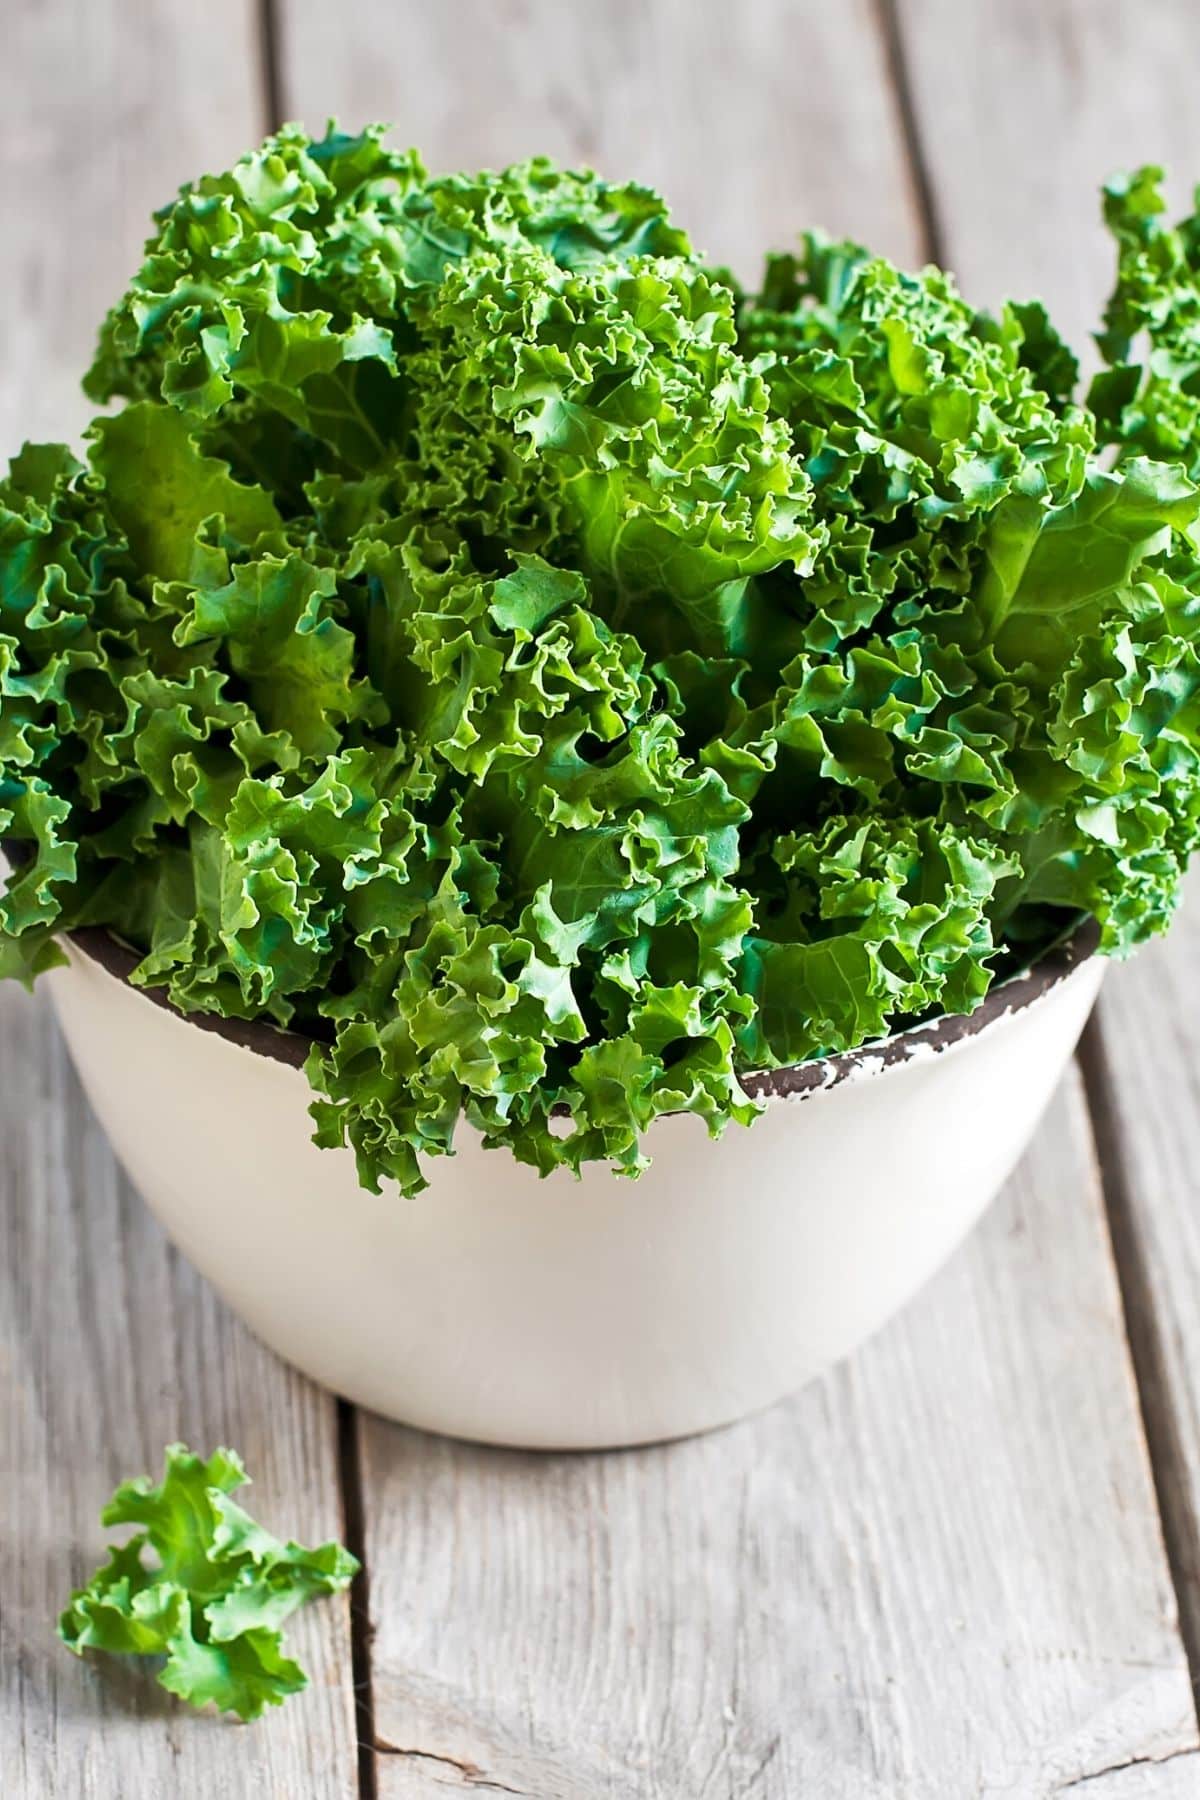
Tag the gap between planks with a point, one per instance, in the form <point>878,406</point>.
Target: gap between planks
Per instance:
<point>887,24</point>
<point>354,1536</point>
<point>270,64</point>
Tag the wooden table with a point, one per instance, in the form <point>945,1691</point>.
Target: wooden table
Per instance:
<point>967,1563</point>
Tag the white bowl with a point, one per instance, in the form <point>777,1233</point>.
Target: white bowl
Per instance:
<point>563,1314</point>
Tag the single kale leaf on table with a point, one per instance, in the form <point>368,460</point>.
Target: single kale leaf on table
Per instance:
<point>215,1594</point>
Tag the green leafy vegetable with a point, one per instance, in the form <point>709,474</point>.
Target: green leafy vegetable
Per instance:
<point>557,684</point>
<point>216,1595</point>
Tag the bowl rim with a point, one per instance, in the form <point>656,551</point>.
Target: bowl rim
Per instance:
<point>1077,945</point>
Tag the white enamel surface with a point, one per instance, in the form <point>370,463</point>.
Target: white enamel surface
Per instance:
<point>555,1313</point>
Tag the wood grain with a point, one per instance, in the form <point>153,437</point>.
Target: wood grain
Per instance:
<point>993,89</point>
<point>109,1347</point>
<point>755,120</point>
<point>1143,1060</point>
<point>936,1573</point>
<point>105,107</point>
<point>1023,110</point>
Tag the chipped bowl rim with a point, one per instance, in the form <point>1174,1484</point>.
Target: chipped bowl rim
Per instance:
<point>1077,945</point>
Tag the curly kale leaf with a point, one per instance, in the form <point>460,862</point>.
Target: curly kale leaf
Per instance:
<point>558,685</point>
<point>213,1596</point>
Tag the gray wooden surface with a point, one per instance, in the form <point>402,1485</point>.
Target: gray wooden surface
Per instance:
<point>968,1562</point>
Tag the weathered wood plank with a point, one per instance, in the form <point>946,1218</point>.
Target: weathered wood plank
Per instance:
<point>1143,1061</point>
<point>108,1346</point>
<point>1023,110</point>
<point>937,1572</point>
<point>755,121</point>
<point>111,1347</point>
<point>107,107</point>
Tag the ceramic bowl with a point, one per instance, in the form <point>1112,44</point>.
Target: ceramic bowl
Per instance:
<point>564,1314</point>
